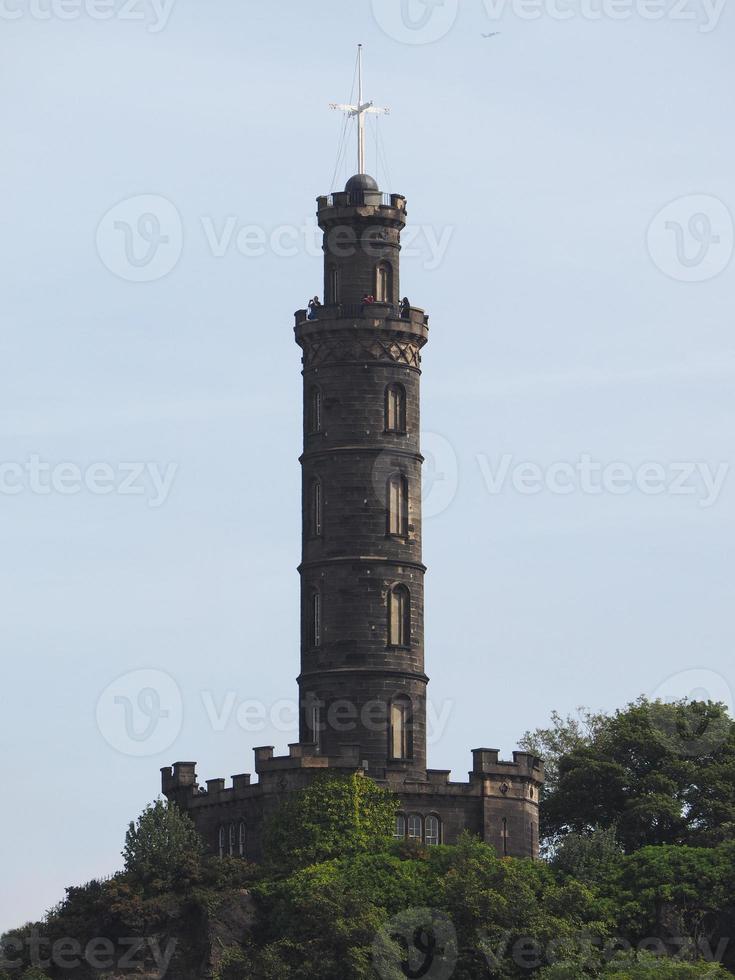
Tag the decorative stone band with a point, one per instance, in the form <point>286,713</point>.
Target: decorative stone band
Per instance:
<point>344,350</point>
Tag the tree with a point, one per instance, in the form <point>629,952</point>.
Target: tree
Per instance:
<point>659,773</point>
<point>162,849</point>
<point>334,816</point>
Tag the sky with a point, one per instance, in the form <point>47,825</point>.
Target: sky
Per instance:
<point>570,188</point>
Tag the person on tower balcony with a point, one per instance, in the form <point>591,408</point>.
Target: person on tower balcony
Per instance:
<point>405,309</point>
<point>367,300</point>
<point>314,306</point>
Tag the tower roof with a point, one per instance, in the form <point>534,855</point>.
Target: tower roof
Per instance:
<point>361,182</point>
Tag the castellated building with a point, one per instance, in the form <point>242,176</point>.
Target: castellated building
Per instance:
<point>363,686</point>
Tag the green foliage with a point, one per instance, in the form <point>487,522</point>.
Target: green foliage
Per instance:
<point>333,816</point>
<point>162,849</point>
<point>659,773</point>
<point>639,966</point>
<point>590,858</point>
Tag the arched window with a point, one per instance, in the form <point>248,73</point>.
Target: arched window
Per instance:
<point>222,842</point>
<point>401,729</point>
<point>334,284</point>
<point>242,837</point>
<point>415,829</point>
<point>233,839</point>
<point>433,831</point>
<point>397,505</point>
<point>316,509</point>
<point>399,617</point>
<point>315,626</point>
<point>395,408</point>
<point>400,830</point>
<point>383,283</point>
<point>315,410</point>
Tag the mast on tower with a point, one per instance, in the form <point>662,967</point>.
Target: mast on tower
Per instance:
<point>359,112</point>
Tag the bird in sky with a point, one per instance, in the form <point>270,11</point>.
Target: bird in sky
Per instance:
<point>494,34</point>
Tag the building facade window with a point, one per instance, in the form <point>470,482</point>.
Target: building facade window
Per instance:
<point>315,410</point>
<point>316,508</point>
<point>400,829</point>
<point>232,840</point>
<point>242,839</point>
<point>397,506</point>
<point>222,842</point>
<point>315,626</point>
<point>384,283</point>
<point>401,729</point>
<point>433,831</point>
<point>505,837</point>
<point>415,828</point>
<point>395,408</point>
<point>399,617</point>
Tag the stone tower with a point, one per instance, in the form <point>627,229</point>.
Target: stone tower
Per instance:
<point>362,676</point>
<point>362,686</point>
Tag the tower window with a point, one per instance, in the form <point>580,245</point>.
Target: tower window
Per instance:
<point>315,626</point>
<point>315,723</point>
<point>383,283</point>
<point>400,830</point>
<point>433,831</point>
<point>316,508</point>
<point>505,837</point>
<point>399,617</point>
<point>395,408</point>
<point>242,836</point>
<point>315,410</point>
<point>401,729</point>
<point>334,284</point>
<point>415,829</point>
<point>397,501</point>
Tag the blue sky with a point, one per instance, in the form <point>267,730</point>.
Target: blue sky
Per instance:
<point>579,172</point>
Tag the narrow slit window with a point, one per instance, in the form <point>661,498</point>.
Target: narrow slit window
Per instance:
<point>316,508</point>
<point>315,410</point>
<point>334,285</point>
<point>315,629</point>
<point>395,408</point>
<point>222,842</point>
<point>399,617</point>
<point>242,836</point>
<point>233,839</point>
<point>383,282</point>
<point>397,494</point>
<point>316,728</point>
<point>401,729</point>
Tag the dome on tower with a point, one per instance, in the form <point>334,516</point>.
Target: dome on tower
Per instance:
<point>361,182</point>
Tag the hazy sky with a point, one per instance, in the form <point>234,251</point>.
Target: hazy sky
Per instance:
<point>576,322</point>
